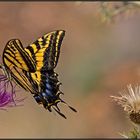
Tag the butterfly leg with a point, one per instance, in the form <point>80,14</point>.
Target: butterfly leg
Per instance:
<point>13,92</point>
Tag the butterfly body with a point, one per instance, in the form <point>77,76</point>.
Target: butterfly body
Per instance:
<point>32,68</point>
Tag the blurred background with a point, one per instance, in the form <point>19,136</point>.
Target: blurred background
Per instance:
<point>100,55</point>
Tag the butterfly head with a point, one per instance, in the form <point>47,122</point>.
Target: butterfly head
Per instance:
<point>3,68</point>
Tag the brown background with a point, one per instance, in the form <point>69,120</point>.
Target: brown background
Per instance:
<point>97,60</point>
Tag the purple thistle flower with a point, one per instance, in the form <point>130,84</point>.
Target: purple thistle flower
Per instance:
<point>7,98</point>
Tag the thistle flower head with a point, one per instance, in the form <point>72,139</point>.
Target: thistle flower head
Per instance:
<point>130,101</point>
<point>7,98</point>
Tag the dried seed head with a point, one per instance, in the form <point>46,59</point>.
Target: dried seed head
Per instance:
<point>130,101</point>
<point>135,117</point>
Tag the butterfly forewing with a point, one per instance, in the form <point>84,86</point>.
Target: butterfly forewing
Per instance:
<point>16,60</point>
<point>21,79</point>
<point>45,51</point>
<point>15,55</point>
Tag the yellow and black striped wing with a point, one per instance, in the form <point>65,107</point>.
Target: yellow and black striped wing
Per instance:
<point>26,64</point>
<point>26,83</point>
<point>45,51</point>
<point>19,76</point>
<point>15,55</point>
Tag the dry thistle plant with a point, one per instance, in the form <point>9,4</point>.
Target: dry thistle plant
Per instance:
<point>111,10</point>
<point>130,101</point>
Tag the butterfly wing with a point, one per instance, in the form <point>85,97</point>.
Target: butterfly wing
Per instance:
<point>32,67</point>
<point>15,55</point>
<point>16,61</point>
<point>45,51</point>
<point>25,64</point>
<point>18,75</point>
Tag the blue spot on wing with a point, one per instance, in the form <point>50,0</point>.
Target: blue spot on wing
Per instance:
<point>48,86</point>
